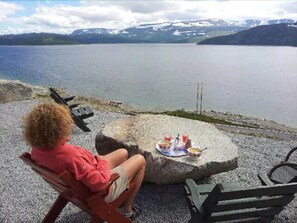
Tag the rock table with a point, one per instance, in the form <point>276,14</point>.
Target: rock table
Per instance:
<point>140,134</point>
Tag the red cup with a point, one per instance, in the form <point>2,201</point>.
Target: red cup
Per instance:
<point>184,138</point>
<point>167,137</point>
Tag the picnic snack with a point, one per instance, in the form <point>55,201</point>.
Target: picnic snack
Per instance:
<point>184,137</point>
<point>167,137</point>
<point>164,144</point>
<point>188,143</point>
<point>194,152</point>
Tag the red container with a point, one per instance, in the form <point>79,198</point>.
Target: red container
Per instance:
<point>167,137</point>
<point>184,138</point>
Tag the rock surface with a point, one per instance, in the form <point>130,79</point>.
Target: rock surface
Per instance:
<point>17,91</point>
<point>140,134</point>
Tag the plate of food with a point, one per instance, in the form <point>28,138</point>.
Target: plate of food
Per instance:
<point>169,148</point>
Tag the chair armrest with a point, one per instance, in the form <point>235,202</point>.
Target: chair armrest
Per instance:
<point>69,98</point>
<point>289,154</point>
<point>73,105</point>
<point>265,181</point>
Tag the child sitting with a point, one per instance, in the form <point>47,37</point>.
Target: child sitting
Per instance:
<point>47,129</point>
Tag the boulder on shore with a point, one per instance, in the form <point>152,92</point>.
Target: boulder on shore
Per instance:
<point>140,134</point>
<point>18,91</point>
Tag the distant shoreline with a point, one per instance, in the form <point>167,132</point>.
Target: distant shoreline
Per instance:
<point>119,107</point>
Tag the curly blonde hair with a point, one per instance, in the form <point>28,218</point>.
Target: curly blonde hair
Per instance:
<point>47,125</point>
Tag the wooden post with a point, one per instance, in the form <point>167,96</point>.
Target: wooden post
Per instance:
<point>201,98</point>
<point>197,99</point>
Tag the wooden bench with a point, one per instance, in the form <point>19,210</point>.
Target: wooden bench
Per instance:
<point>78,113</point>
<point>71,190</point>
<point>231,203</point>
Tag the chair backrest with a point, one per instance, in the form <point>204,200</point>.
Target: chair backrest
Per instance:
<point>251,204</point>
<point>77,119</point>
<point>290,153</point>
<point>64,183</point>
<point>57,98</point>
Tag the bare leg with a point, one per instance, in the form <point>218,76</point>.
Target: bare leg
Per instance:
<point>135,169</point>
<point>117,157</point>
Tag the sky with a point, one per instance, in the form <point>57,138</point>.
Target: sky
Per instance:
<point>57,16</point>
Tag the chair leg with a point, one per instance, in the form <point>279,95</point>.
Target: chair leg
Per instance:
<point>96,220</point>
<point>55,210</point>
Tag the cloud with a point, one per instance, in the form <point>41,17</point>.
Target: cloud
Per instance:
<point>73,17</point>
<point>142,7</point>
<point>289,7</point>
<point>64,18</point>
<point>7,8</point>
<point>185,10</point>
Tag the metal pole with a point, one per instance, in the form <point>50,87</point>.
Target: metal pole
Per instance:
<point>201,98</point>
<point>197,100</point>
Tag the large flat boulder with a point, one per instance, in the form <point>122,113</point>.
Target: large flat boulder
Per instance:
<point>14,90</point>
<point>140,134</point>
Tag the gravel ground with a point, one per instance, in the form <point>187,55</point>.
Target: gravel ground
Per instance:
<point>27,198</point>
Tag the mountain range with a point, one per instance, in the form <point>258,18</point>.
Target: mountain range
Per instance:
<point>271,35</point>
<point>168,32</point>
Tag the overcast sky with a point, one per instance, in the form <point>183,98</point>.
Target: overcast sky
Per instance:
<point>57,16</point>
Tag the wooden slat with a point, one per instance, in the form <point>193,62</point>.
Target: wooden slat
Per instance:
<point>77,187</point>
<point>83,112</point>
<point>57,97</point>
<point>250,220</point>
<point>42,171</point>
<point>88,110</point>
<point>55,210</point>
<point>68,98</point>
<point>194,196</point>
<point>62,189</point>
<point>287,189</point>
<point>80,123</point>
<point>45,174</point>
<point>264,179</point>
<point>267,212</point>
<point>212,199</point>
<point>207,188</point>
<point>253,203</point>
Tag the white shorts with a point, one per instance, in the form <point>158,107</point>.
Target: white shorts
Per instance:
<point>118,186</point>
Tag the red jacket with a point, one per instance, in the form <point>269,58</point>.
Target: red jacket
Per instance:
<point>85,167</point>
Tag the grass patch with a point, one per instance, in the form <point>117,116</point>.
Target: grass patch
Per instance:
<point>195,116</point>
<point>40,95</point>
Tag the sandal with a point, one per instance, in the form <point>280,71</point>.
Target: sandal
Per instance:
<point>136,211</point>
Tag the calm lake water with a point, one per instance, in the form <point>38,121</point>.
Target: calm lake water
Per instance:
<point>251,80</point>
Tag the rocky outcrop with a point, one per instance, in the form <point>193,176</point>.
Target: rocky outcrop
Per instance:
<point>140,134</point>
<point>16,91</point>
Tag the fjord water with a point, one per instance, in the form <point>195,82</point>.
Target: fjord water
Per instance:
<point>251,80</point>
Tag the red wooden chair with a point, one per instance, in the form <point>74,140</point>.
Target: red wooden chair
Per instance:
<point>77,193</point>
